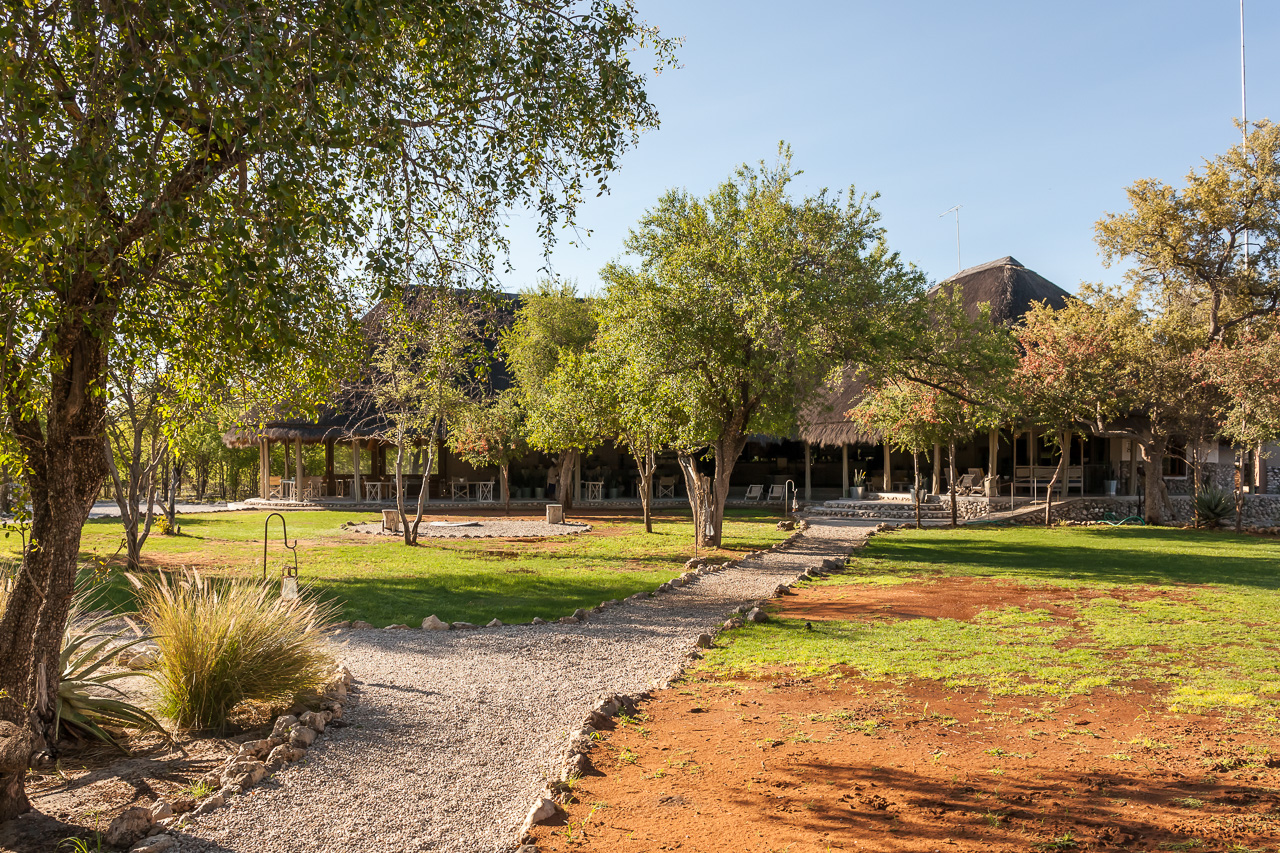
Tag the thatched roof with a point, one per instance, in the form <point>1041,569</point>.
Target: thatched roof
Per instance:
<point>355,414</point>
<point>1006,285</point>
<point>823,421</point>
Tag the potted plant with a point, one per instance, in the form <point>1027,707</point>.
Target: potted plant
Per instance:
<point>858,482</point>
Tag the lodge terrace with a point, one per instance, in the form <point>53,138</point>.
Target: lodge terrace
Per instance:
<point>339,459</point>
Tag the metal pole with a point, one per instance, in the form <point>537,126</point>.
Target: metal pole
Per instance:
<point>956,211</point>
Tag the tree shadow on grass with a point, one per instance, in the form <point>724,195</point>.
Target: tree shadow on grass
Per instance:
<point>1128,556</point>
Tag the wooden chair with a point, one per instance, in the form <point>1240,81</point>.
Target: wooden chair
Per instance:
<point>666,487</point>
<point>459,488</point>
<point>275,488</point>
<point>755,493</point>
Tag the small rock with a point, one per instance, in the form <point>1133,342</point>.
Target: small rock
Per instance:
<point>527,848</point>
<point>313,720</point>
<point>538,621</point>
<point>666,587</point>
<point>598,719</point>
<point>284,754</point>
<point>335,713</point>
<point>244,774</point>
<point>579,764</point>
<point>757,615</point>
<point>674,582</point>
<point>155,844</point>
<point>283,725</point>
<point>464,626</point>
<point>361,625</point>
<point>568,620</point>
<point>302,736</point>
<point>182,805</point>
<point>580,614</point>
<point>613,602</point>
<point>782,589</point>
<point>704,641</point>
<point>160,810</point>
<point>208,804</point>
<point>338,626</point>
<point>256,748</point>
<point>345,674</point>
<point>734,623</point>
<point>496,623</point>
<point>397,627</point>
<point>786,525</point>
<point>543,809</point>
<point>689,577</point>
<point>129,826</point>
<point>433,623</point>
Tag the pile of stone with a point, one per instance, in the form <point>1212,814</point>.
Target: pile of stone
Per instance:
<point>291,736</point>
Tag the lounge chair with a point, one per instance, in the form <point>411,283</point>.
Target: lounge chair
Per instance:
<point>778,494</point>
<point>755,493</point>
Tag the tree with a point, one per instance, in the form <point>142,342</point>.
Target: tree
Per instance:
<point>747,300</point>
<point>1068,369</point>
<point>1187,245</point>
<point>1247,374</point>
<point>200,177</point>
<point>491,433</point>
<point>428,357</point>
<point>551,324</point>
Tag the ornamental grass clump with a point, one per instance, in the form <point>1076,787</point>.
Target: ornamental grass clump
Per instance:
<point>225,642</point>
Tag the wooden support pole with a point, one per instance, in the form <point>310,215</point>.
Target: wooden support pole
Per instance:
<point>808,473</point>
<point>1131,487</point>
<point>355,469</point>
<point>264,467</point>
<point>936,487</point>
<point>297,478</point>
<point>888,467</point>
<point>329,485</point>
<point>844,462</point>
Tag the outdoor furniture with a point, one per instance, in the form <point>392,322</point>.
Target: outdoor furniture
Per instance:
<point>373,490</point>
<point>755,493</point>
<point>289,489</point>
<point>460,488</point>
<point>778,493</point>
<point>666,487</point>
<point>484,491</point>
<point>593,490</point>
<point>1075,479</point>
<point>275,489</point>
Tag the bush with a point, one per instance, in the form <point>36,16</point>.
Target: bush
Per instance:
<point>229,642</point>
<point>1213,505</point>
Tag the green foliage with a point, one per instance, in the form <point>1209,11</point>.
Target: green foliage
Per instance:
<point>490,434</point>
<point>1213,505</point>
<point>86,696</point>
<point>225,642</point>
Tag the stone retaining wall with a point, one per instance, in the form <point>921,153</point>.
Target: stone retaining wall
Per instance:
<point>1259,510</point>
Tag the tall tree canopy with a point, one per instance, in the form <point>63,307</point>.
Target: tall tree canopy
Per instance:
<point>198,175</point>
<point>745,300</point>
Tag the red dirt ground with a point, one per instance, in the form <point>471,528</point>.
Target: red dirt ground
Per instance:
<point>800,764</point>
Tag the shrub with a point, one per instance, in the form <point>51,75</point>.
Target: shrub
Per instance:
<point>1213,505</point>
<point>229,642</point>
<point>86,698</point>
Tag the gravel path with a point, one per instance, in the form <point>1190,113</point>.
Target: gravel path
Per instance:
<point>453,734</point>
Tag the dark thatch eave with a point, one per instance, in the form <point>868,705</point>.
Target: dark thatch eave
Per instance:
<point>824,420</point>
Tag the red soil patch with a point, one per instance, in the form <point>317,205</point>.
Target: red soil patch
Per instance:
<point>800,764</point>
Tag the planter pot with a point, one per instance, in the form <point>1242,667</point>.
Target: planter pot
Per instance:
<point>855,492</point>
<point>538,493</point>
<point>614,491</point>
<point>1111,487</point>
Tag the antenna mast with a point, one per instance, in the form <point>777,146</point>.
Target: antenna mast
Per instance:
<point>956,210</point>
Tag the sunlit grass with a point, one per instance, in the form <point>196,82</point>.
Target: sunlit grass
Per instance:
<point>1196,613</point>
<point>381,580</point>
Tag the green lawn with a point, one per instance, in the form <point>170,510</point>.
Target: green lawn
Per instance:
<point>1196,613</point>
<point>380,580</point>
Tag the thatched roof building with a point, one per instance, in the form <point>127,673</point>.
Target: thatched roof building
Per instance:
<point>1005,284</point>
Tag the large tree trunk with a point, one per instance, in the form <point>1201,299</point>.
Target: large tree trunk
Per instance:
<point>504,474</point>
<point>429,461</point>
<point>1153,450</point>
<point>712,495</point>
<point>647,463</point>
<point>568,460</point>
<point>1064,454</point>
<point>409,536</point>
<point>64,471</point>
<point>698,489</point>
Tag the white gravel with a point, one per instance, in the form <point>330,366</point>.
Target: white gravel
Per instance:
<point>452,734</point>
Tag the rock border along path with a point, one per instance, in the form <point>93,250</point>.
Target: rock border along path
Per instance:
<point>453,735</point>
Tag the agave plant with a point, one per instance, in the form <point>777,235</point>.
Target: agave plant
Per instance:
<point>1213,505</point>
<point>87,699</point>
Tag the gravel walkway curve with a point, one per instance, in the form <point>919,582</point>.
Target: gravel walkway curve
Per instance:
<point>453,734</point>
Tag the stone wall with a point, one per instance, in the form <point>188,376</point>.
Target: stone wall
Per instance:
<point>1259,510</point>
<point>1220,475</point>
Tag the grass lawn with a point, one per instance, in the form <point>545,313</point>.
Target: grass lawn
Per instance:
<point>1196,615</point>
<point>380,580</point>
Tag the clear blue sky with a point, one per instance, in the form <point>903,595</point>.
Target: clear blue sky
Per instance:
<point>1032,115</point>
